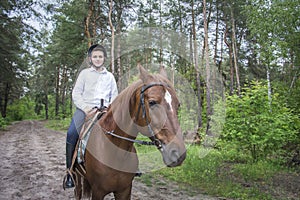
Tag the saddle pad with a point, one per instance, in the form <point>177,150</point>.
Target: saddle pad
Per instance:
<point>82,147</point>
<point>82,141</point>
<point>86,131</point>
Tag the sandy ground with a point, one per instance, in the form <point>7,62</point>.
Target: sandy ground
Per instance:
<point>33,165</point>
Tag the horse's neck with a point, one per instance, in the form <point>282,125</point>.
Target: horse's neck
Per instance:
<point>119,125</point>
<point>116,153</point>
<point>114,120</point>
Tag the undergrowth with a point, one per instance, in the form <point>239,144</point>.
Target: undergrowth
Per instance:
<point>221,174</point>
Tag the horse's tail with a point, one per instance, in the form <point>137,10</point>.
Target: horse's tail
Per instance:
<point>87,190</point>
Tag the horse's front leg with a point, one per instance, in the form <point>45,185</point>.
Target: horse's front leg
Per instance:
<point>123,195</point>
<point>98,195</point>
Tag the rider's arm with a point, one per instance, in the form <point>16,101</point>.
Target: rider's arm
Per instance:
<point>114,89</point>
<point>77,93</point>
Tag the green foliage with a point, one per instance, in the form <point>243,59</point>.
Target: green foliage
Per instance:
<point>290,96</point>
<point>260,170</point>
<point>216,175</point>
<point>59,125</point>
<point>195,169</point>
<point>256,126</point>
<point>3,122</point>
<point>274,36</point>
<point>21,109</point>
<point>14,53</point>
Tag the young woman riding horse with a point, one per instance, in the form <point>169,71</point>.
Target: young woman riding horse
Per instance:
<point>148,106</point>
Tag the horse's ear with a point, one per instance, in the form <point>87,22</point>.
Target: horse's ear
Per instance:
<point>163,72</point>
<point>144,75</point>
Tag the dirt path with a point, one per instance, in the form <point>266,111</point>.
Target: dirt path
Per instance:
<point>33,164</point>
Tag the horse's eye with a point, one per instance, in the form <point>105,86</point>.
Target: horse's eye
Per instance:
<point>152,103</point>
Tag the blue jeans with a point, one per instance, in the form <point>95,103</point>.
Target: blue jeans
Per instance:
<point>75,127</point>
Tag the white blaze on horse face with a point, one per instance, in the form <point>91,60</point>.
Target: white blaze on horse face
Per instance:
<point>168,98</point>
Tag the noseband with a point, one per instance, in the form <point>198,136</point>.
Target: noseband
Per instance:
<point>153,138</point>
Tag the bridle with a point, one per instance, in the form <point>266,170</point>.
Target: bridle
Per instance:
<point>154,140</point>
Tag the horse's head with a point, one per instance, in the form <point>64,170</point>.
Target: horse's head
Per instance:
<point>154,109</point>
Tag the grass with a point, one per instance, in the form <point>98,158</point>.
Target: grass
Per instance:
<point>218,174</point>
<point>59,125</point>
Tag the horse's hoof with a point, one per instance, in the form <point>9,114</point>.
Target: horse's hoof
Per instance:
<point>138,174</point>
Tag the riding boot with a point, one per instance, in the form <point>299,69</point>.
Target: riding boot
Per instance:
<point>69,155</point>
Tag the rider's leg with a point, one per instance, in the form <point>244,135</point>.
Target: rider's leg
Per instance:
<point>72,137</point>
<point>69,155</point>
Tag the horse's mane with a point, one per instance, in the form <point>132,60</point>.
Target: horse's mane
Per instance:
<point>118,110</point>
<point>124,96</point>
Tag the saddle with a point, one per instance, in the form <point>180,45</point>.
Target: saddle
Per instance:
<point>91,119</point>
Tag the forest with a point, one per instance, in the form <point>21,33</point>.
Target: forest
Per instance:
<point>238,57</point>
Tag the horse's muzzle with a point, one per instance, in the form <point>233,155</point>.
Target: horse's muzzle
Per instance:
<point>173,155</point>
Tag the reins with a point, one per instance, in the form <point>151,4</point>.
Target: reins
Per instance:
<point>141,142</point>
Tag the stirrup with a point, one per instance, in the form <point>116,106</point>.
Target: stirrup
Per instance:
<point>69,182</point>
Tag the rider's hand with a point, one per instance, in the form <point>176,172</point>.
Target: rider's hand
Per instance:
<point>87,110</point>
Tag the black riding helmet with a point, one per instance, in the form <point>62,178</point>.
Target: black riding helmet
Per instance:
<point>98,47</point>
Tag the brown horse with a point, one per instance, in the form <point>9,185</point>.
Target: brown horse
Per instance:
<point>148,106</point>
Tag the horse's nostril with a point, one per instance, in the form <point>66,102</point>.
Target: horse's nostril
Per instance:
<point>174,155</point>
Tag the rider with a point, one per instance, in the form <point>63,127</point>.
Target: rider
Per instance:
<point>92,85</point>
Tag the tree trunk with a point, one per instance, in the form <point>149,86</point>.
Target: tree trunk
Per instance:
<point>119,69</point>
<point>63,92</point>
<point>207,67</point>
<point>234,51</point>
<point>119,64</point>
<point>160,35</point>
<point>191,47</point>
<point>71,100</point>
<point>220,69</point>
<point>112,37</point>
<point>196,64</point>
<point>269,87</point>
<point>46,101</point>
<point>230,61</point>
<point>87,22</point>
<point>6,95</point>
<point>217,36</point>
<point>215,59</point>
<point>57,91</point>
<point>182,50</point>
<point>1,106</point>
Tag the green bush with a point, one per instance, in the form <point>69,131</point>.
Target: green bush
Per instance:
<point>257,126</point>
<point>59,125</point>
<point>3,122</point>
<point>21,109</point>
